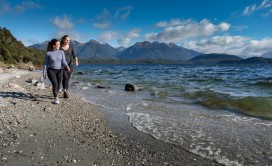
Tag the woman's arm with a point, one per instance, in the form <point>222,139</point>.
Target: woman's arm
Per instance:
<point>74,55</point>
<point>76,61</point>
<point>45,65</point>
<point>63,61</point>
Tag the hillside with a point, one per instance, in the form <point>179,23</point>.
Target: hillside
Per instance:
<point>156,50</point>
<point>267,54</point>
<point>96,50</point>
<point>256,60</point>
<point>214,58</point>
<point>14,52</point>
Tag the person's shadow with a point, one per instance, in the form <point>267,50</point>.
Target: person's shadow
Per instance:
<point>24,96</point>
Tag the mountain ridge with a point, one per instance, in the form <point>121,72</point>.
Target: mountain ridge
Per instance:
<point>140,50</point>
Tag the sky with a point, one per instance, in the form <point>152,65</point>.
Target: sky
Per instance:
<point>238,27</point>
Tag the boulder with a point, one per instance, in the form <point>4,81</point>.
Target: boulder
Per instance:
<point>131,87</point>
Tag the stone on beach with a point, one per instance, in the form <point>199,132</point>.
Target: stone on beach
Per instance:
<point>103,87</point>
<point>13,86</point>
<point>131,87</point>
<point>75,83</point>
<point>32,81</point>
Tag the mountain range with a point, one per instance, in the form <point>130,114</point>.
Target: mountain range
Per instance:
<point>140,50</point>
<point>152,51</point>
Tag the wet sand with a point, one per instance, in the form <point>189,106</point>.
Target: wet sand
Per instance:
<point>34,131</point>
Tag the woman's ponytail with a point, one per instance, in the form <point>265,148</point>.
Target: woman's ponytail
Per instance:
<point>51,44</point>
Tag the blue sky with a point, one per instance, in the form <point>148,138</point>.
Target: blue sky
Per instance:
<point>240,27</point>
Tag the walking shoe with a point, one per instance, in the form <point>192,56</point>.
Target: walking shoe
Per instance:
<point>65,94</point>
<point>56,101</point>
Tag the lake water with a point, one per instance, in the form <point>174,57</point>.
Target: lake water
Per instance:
<point>219,112</point>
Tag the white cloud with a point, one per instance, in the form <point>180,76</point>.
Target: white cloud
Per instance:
<point>72,34</point>
<point>62,23</point>
<point>103,20</point>
<point>256,48</point>
<point>107,36</point>
<point>123,12</point>
<point>126,39</point>
<point>173,23</point>
<point>5,6</point>
<point>266,4</point>
<point>236,45</point>
<point>178,30</point>
<point>249,10</point>
<point>102,25</point>
<point>224,26</point>
<point>27,5</point>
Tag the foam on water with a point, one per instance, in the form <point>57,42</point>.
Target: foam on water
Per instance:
<point>209,133</point>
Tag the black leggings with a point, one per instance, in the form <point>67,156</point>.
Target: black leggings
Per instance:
<point>66,77</point>
<point>55,76</point>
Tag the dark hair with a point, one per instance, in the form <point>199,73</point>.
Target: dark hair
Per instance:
<point>51,44</point>
<point>62,39</point>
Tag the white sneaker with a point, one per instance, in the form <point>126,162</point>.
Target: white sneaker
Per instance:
<point>56,101</point>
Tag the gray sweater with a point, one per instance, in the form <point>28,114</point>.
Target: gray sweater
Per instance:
<point>54,60</point>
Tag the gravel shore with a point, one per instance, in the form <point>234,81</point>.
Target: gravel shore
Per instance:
<point>33,131</point>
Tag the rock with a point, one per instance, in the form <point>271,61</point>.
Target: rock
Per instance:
<point>11,67</point>
<point>131,87</point>
<point>103,87</point>
<point>12,85</point>
<point>31,80</point>
<point>76,83</point>
<point>42,86</point>
<point>31,68</point>
<point>38,83</point>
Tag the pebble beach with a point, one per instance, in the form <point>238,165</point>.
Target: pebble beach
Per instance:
<point>34,131</point>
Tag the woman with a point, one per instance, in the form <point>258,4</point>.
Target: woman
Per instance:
<point>70,54</point>
<point>54,60</point>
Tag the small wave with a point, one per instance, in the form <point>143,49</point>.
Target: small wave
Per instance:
<point>267,84</point>
<point>98,70</point>
<point>252,106</point>
<point>147,123</point>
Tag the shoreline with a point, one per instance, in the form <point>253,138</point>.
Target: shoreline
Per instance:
<point>35,131</point>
